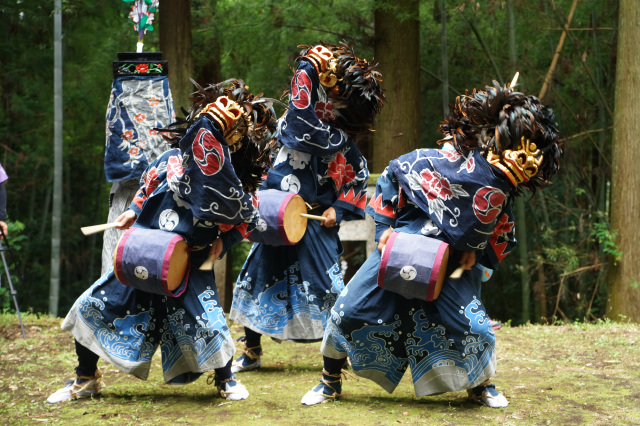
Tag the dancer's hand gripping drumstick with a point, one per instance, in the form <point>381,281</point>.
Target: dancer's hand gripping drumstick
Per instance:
<point>328,217</point>
<point>467,261</point>
<point>124,221</point>
<point>214,253</point>
<point>384,237</point>
<point>331,217</point>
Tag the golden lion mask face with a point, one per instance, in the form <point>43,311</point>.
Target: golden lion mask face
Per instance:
<point>520,165</point>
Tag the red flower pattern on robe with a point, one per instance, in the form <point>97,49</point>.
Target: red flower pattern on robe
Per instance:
<point>151,181</point>
<point>435,185</point>
<point>341,172</point>
<point>174,168</point>
<point>451,155</point>
<point>139,198</point>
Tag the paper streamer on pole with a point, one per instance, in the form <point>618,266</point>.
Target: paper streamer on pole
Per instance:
<point>141,16</point>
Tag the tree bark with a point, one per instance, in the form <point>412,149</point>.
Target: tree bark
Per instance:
<point>56,213</point>
<point>175,43</point>
<point>624,275</point>
<point>208,68</point>
<point>397,51</point>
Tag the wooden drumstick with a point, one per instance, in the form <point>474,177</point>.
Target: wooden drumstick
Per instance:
<point>207,265</point>
<point>312,216</point>
<point>457,273</point>
<point>88,230</point>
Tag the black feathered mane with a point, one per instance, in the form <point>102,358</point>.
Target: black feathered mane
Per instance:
<point>496,119</point>
<point>357,96</point>
<point>250,155</point>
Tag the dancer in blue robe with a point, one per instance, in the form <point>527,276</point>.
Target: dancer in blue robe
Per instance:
<point>192,190</point>
<point>285,291</point>
<point>505,142</point>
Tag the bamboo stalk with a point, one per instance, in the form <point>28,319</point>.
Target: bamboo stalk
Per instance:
<point>556,55</point>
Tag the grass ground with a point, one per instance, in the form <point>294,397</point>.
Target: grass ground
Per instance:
<point>584,374</point>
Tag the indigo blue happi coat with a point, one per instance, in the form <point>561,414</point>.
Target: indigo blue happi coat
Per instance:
<point>191,191</point>
<point>448,343</point>
<point>286,291</point>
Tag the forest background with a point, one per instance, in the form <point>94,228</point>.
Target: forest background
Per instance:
<point>568,245</point>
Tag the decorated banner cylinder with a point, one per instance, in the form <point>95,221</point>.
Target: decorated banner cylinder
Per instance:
<point>280,220</point>
<point>152,260</point>
<point>140,101</point>
<point>413,266</point>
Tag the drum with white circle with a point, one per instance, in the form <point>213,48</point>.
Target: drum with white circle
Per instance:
<point>281,221</point>
<point>152,260</point>
<point>413,266</point>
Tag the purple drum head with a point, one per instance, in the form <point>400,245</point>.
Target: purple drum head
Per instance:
<point>142,260</point>
<point>410,265</point>
<point>270,229</point>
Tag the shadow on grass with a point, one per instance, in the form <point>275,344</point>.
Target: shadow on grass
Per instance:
<point>162,399</point>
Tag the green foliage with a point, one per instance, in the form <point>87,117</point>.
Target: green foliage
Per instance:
<point>606,237</point>
<point>5,299</point>
<point>10,250</point>
<point>239,253</point>
<point>562,255</point>
<point>257,41</point>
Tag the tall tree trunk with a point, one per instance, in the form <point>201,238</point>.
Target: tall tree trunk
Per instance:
<point>56,234</point>
<point>397,51</point>
<point>210,71</point>
<point>624,279</point>
<point>175,43</point>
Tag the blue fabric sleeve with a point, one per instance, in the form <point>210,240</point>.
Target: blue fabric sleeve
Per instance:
<point>384,204</point>
<point>300,128</point>
<point>380,228</point>
<point>229,238</point>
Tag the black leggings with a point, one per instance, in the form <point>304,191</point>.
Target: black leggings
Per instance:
<point>251,338</point>
<point>334,366</point>
<point>87,361</point>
